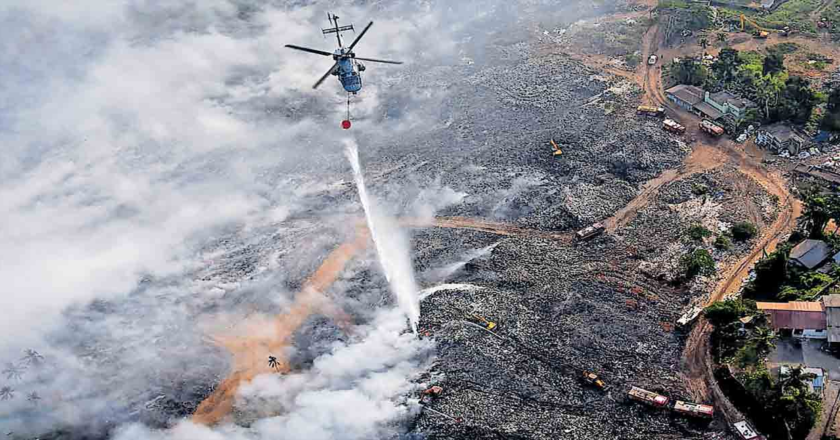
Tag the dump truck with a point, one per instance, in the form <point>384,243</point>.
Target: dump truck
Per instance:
<point>673,126</point>
<point>648,397</point>
<point>646,110</point>
<point>489,325</point>
<point>590,231</point>
<point>745,431</point>
<point>711,128</point>
<point>694,409</point>
<point>593,379</point>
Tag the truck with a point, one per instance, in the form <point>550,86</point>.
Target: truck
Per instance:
<point>746,432</point>
<point>652,60</point>
<point>711,128</point>
<point>646,110</point>
<point>694,409</point>
<point>590,231</point>
<point>673,126</point>
<point>648,397</point>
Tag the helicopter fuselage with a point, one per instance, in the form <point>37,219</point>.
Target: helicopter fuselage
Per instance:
<point>347,72</point>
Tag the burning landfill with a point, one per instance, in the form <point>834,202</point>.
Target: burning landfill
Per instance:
<point>182,212</point>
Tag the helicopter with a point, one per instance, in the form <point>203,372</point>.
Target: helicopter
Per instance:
<point>347,66</point>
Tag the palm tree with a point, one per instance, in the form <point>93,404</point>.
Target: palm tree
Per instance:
<point>6,393</point>
<point>764,340</point>
<point>33,397</point>
<point>32,357</point>
<point>704,43</point>
<point>272,362</point>
<point>13,372</point>
<point>722,37</point>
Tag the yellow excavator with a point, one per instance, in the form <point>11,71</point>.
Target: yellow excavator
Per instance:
<point>557,150</point>
<point>762,32</point>
<point>489,325</point>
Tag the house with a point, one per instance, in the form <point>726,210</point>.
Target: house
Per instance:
<point>799,318</point>
<point>686,96</point>
<point>831,305</point>
<point>810,254</point>
<point>780,137</point>
<point>728,104</point>
<point>829,265</point>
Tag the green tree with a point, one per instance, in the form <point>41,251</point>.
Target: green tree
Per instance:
<point>722,37</point>
<point>697,262</point>
<point>698,232</point>
<point>770,273</point>
<point>723,243</point>
<point>831,121</point>
<point>819,209</point>
<point>726,66</point>
<point>764,339</point>
<point>797,101</point>
<point>689,71</point>
<point>704,43</point>
<point>723,313</point>
<point>774,63</point>
<point>744,231</point>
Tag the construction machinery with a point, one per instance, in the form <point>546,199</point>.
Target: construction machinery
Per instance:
<point>761,32</point>
<point>430,394</point>
<point>673,126</point>
<point>489,325</point>
<point>647,110</point>
<point>711,128</point>
<point>593,379</point>
<point>557,150</point>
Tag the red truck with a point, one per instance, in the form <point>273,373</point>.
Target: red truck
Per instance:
<point>648,397</point>
<point>673,126</point>
<point>711,128</point>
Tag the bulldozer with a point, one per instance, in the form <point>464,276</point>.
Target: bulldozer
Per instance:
<point>760,31</point>
<point>557,150</point>
<point>593,379</point>
<point>489,325</point>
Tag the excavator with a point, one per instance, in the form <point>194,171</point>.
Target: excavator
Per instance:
<point>489,325</point>
<point>761,32</point>
<point>593,379</point>
<point>557,150</point>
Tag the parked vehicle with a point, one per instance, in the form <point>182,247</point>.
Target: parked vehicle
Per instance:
<point>711,128</point>
<point>646,110</point>
<point>648,397</point>
<point>673,126</point>
<point>590,231</point>
<point>694,409</point>
<point>652,60</point>
<point>746,432</point>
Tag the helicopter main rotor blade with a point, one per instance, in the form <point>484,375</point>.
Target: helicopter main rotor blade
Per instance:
<point>306,49</point>
<point>374,60</point>
<point>329,72</point>
<point>353,44</point>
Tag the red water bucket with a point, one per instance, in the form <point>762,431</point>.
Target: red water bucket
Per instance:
<point>345,124</point>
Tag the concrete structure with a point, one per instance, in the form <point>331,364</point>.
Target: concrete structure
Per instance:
<point>802,319</point>
<point>831,304</point>
<point>686,96</point>
<point>728,104</point>
<point>707,105</point>
<point>810,254</point>
<point>780,137</point>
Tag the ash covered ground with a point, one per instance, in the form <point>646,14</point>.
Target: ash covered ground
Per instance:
<point>180,179</point>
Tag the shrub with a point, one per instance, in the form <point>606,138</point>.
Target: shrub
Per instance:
<point>698,232</point>
<point>723,243</point>
<point>744,231</point>
<point>697,262</point>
